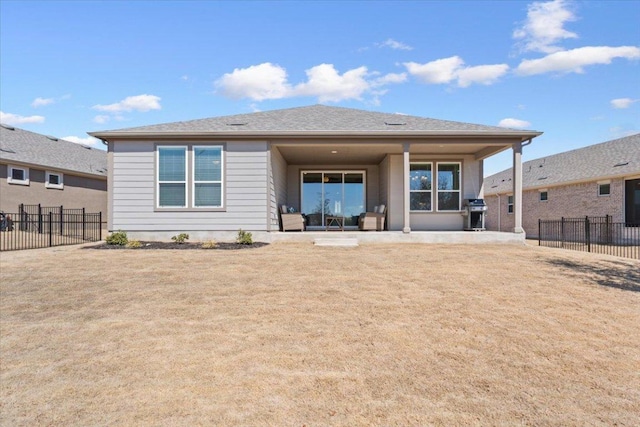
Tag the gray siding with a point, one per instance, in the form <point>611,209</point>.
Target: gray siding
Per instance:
<point>383,182</point>
<point>245,188</point>
<point>278,185</point>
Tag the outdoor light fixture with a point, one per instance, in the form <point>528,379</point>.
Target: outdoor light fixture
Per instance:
<point>334,152</point>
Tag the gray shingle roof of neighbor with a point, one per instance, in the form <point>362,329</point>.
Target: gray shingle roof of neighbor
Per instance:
<point>615,158</point>
<point>313,119</point>
<point>19,145</point>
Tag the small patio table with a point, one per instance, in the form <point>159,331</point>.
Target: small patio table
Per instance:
<point>334,221</point>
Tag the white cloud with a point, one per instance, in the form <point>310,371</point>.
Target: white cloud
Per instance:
<point>393,44</point>
<point>621,103</point>
<point>544,26</point>
<point>101,118</point>
<point>16,119</point>
<point>436,72</point>
<point>328,85</point>
<point>482,74</point>
<point>88,141</point>
<point>257,82</point>
<point>514,123</point>
<point>451,69</point>
<point>573,61</point>
<point>41,102</point>
<point>142,103</point>
<point>269,81</point>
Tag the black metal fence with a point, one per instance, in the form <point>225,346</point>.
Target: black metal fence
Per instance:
<point>35,226</point>
<point>591,234</point>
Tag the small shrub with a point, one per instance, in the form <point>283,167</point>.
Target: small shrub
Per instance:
<point>244,237</point>
<point>134,244</point>
<point>118,238</point>
<point>180,238</point>
<point>209,244</point>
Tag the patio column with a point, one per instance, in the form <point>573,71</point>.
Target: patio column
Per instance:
<point>406,187</point>
<point>517,188</point>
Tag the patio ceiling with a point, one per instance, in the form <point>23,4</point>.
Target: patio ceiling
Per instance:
<point>374,153</point>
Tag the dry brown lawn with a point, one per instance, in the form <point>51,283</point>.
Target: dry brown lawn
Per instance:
<point>297,335</point>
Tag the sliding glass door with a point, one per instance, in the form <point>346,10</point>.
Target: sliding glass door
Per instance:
<point>335,198</point>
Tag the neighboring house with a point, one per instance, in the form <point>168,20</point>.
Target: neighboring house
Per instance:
<point>38,169</point>
<point>599,180</point>
<point>216,175</point>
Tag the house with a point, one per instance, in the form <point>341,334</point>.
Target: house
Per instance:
<point>602,179</point>
<point>216,175</point>
<point>38,169</point>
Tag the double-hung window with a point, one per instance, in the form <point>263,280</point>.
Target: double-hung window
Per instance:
<point>510,204</point>
<point>172,177</point>
<point>189,176</point>
<point>420,186</point>
<point>448,187</point>
<point>207,176</point>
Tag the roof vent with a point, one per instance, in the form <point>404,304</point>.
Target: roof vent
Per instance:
<point>236,124</point>
<point>8,127</point>
<point>621,164</point>
<point>395,123</point>
<point>53,138</point>
<point>541,178</point>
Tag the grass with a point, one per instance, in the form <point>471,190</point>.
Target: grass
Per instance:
<point>293,335</point>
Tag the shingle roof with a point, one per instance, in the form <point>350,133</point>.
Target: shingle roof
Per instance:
<point>619,157</point>
<point>315,118</point>
<point>19,145</point>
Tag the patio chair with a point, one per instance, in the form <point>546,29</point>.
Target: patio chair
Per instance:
<point>291,220</point>
<point>372,220</point>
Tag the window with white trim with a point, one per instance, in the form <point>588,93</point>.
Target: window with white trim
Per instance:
<point>510,204</point>
<point>172,176</point>
<point>604,188</point>
<point>448,187</point>
<point>198,168</point>
<point>544,195</point>
<point>207,176</point>
<point>420,179</point>
<point>54,180</point>
<point>17,175</point>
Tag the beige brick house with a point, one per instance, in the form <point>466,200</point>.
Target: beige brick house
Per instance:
<point>602,179</point>
<point>39,169</point>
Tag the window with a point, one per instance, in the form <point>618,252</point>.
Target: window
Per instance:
<point>198,168</point>
<point>544,196</point>
<point>448,187</point>
<point>18,175</point>
<point>172,177</point>
<point>604,189</point>
<point>207,176</point>
<point>54,180</point>
<point>420,186</point>
<point>510,204</point>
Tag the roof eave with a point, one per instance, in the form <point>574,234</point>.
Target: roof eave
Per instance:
<point>110,135</point>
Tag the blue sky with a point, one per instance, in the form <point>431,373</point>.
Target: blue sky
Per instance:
<point>568,68</point>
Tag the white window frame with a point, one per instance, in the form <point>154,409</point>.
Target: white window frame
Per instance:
<point>11,180</point>
<point>510,204</point>
<point>59,185</point>
<point>192,175</point>
<point>186,177</point>
<point>423,191</point>
<point>438,191</point>
<point>600,185</point>
<point>541,192</point>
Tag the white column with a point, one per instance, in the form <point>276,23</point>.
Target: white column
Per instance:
<point>406,189</point>
<point>517,188</point>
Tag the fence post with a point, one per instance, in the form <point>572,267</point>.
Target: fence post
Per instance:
<point>539,232</point>
<point>562,232</point>
<point>23,217</point>
<point>587,232</point>
<point>608,232</point>
<point>84,224</point>
<point>100,225</point>
<point>39,218</point>
<point>50,229</point>
<point>61,221</point>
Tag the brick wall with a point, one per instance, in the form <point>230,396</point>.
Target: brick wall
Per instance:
<point>569,201</point>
